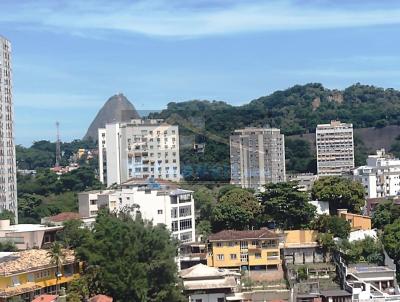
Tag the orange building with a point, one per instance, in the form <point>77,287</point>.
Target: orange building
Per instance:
<point>357,222</point>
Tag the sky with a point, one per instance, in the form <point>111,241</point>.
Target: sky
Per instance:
<point>70,56</point>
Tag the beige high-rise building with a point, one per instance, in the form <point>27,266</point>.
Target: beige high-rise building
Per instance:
<point>257,157</point>
<point>335,148</point>
<point>142,148</point>
<point>8,179</point>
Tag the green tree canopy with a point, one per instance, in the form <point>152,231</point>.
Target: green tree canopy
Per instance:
<point>288,207</point>
<point>135,260</point>
<point>334,225</point>
<point>391,240</point>
<point>341,193</point>
<point>385,213</point>
<point>238,209</point>
<point>367,250</point>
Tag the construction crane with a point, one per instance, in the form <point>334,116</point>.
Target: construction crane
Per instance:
<point>58,145</point>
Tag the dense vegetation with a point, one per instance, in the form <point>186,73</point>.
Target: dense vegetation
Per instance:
<point>45,193</point>
<point>42,154</point>
<point>296,110</point>
<point>126,258</point>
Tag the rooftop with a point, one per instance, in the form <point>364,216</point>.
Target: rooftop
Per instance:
<point>29,260</point>
<point>201,271</point>
<point>101,298</point>
<point>64,217</point>
<point>45,298</point>
<point>238,235</point>
<point>28,228</point>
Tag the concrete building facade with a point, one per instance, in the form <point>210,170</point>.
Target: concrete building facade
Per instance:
<point>257,157</point>
<point>159,202</point>
<point>8,178</point>
<point>143,148</point>
<point>335,148</point>
<point>381,176</point>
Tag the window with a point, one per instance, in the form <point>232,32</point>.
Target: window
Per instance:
<point>185,211</point>
<point>257,255</point>
<point>254,242</point>
<point>243,244</point>
<point>185,224</point>
<point>159,212</point>
<point>93,202</point>
<point>220,299</point>
<point>244,257</point>
<point>272,255</point>
<point>220,257</point>
<point>174,213</point>
<point>186,237</point>
<point>219,244</point>
<point>233,256</point>
<point>231,243</point>
<point>174,226</point>
<point>199,300</point>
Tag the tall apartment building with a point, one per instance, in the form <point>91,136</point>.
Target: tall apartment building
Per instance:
<point>8,178</point>
<point>381,176</point>
<point>335,148</point>
<point>142,148</point>
<point>257,157</point>
<point>161,202</point>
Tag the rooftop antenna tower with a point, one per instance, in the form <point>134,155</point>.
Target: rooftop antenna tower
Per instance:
<point>58,145</point>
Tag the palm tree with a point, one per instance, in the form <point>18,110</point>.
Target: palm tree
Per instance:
<point>57,256</point>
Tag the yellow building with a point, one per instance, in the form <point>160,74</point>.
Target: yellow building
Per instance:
<point>357,222</point>
<point>255,249</point>
<point>30,273</point>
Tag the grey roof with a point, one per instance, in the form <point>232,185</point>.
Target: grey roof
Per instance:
<point>335,293</point>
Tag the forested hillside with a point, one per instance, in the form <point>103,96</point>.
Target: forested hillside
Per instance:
<point>296,110</point>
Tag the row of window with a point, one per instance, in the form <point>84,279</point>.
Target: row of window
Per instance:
<point>244,257</point>
<point>269,243</point>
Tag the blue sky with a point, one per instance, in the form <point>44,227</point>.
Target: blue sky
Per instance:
<point>70,56</point>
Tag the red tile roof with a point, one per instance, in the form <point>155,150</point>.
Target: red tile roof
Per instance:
<point>238,235</point>
<point>101,298</point>
<point>64,217</point>
<point>45,298</point>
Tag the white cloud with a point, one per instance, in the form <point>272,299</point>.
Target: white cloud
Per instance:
<point>170,18</point>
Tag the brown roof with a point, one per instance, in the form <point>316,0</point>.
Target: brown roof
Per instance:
<point>101,298</point>
<point>64,216</point>
<point>238,235</point>
<point>29,260</point>
<point>45,298</point>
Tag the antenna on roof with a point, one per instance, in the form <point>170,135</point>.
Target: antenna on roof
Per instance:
<point>58,145</point>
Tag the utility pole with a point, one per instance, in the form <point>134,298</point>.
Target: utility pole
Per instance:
<point>58,145</point>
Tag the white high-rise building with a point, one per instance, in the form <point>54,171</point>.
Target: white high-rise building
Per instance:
<point>257,157</point>
<point>335,148</point>
<point>381,176</point>
<point>161,202</point>
<point>8,178</point>
<point>143,148</point>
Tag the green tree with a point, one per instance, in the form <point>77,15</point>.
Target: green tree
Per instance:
<point>385,213</point>
<point>6,214</point>
<point>334,225</point>
<point>238,209</point>
<point>135,260</point>
<point>57,256</point>
<point>341,193</point>
<point>73,234</point>
<point>367,250</point>
<point>391,241</point>
<point>288,207</point>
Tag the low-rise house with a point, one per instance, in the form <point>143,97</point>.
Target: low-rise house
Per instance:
<point>30,273</point>
<point>209,284</point>
<point>357,222</point>
<point>305,180</point>
<point>245,250</point>
<point>27,236</point>
<point>192,253</point>
<point>60,218</point>
<point>301,247</point>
